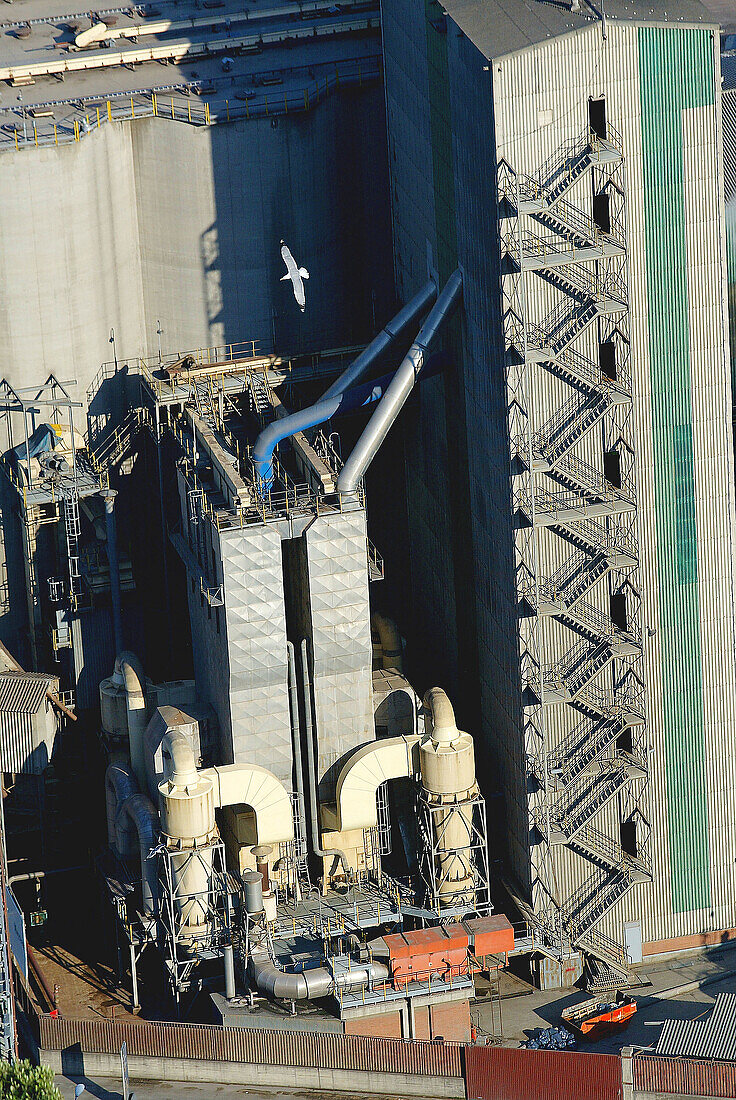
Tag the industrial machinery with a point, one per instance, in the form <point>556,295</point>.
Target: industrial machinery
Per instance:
<point>326,806</point>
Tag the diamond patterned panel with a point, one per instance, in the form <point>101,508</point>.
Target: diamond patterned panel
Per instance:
<point>256,635</point>
<point>341,634</point>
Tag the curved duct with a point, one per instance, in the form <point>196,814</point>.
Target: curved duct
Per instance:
<point>119,785</point>
<point>189,799</point>
<point>258,788</point>
<point>139,813</point>
<point>401,386</point>
<point>360,778</point>
<point>310,984</point>
<point>439,717</point>
<point>326,407</point>
<point>390,641</point>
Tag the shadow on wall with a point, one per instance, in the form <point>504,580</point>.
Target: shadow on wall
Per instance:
<point>319,182</point>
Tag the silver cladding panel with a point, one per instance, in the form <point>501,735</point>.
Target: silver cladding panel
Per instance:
<point>341,635</point>
<point>256,640</point>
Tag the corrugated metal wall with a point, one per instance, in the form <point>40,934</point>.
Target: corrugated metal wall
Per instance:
<point>498,1073</point>
<point>535,114</point>
<point>683,1077</point>
<point>233,1044</point>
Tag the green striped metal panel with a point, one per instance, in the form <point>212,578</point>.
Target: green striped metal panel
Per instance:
<point>676,73</point>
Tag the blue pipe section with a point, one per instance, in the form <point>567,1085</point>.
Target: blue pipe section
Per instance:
<point>359,397</point>
<point>274,433</point>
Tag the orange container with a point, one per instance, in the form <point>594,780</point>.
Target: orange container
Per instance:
<point>490,935</point>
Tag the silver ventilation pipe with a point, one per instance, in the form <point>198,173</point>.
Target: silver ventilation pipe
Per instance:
<point>408,315</point>
<point>399,388</point>
<point>310,985</point>
<point>312,770</point>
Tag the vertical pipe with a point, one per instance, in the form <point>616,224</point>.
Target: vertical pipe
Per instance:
<point>312,771</point>
<point>134,976</point>
<point>108,495</point>
<point>296,745</point>
<point>229,972</point>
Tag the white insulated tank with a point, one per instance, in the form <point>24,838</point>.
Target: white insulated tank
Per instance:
<point>187,807</point>
<point>447,766</point>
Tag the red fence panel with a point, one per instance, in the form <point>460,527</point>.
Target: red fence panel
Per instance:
<point>502,1073</point>
<point>684,1076</point>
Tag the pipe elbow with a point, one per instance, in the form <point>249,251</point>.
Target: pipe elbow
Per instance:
<point>390,641</point>
<point>308,985</point>
<point>129,673</point>
<point>439,718</point>
<point>180,768</point>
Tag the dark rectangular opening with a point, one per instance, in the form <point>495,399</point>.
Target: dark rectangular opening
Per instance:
<point>607,359</point>
<point>618,610</point>
<point>625,740</point>
<point>628,838</point>
<point>597,116</point>
<point>602,211</point>
<point>612,468</point>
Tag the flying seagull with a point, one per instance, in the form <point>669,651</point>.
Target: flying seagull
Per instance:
<point>296,274</point>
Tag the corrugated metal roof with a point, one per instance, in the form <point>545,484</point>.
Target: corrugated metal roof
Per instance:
<point>498,27</point>
<point>24,692</point>
<point>712,1038</point>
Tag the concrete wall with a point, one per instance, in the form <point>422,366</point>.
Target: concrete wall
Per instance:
<point>155,220</point>
<point>75,1063</point>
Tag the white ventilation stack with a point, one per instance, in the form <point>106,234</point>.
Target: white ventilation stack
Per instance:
<point>449,793</point>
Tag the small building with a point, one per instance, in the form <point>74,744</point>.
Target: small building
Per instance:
<point>28,721</point>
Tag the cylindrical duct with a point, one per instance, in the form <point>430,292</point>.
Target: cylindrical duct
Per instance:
<point>253,889</point>
<point>188,825</point>
<point>447,765</point>
<point>229,972</point>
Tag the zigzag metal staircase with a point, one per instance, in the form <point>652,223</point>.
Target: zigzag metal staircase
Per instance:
<point>575,548</point>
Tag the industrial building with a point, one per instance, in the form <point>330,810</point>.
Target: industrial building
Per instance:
<point>573,160</point>
<point>489,401</point>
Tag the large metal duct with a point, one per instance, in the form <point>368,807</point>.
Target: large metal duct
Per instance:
<point>362,775</point>
<point>274,433</point>
<point>119,785</point>
<point>401,386</point>
<point>188,800</point>
<point>310,984</point>
<point>138,817</point>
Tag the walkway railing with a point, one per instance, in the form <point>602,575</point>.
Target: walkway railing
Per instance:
<point>180,103</point>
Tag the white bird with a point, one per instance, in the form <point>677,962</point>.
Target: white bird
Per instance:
<point>296,274</point>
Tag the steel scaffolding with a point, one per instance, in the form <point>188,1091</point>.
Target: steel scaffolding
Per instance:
<point>576,554</point>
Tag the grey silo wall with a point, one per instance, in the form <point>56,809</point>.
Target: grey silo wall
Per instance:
<point>157,220</point>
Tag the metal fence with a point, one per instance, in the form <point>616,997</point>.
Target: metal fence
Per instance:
<point>210,1042</point>
<point>500,1073</point>
<point>683,1076</point>
<point>184,103</point>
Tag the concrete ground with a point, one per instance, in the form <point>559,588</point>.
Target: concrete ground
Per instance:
<point>105,1088</point>
<point>522,1015</point>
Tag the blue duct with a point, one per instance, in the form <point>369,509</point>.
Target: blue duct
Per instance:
<point>354,399</point>
<point>275,432</point>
